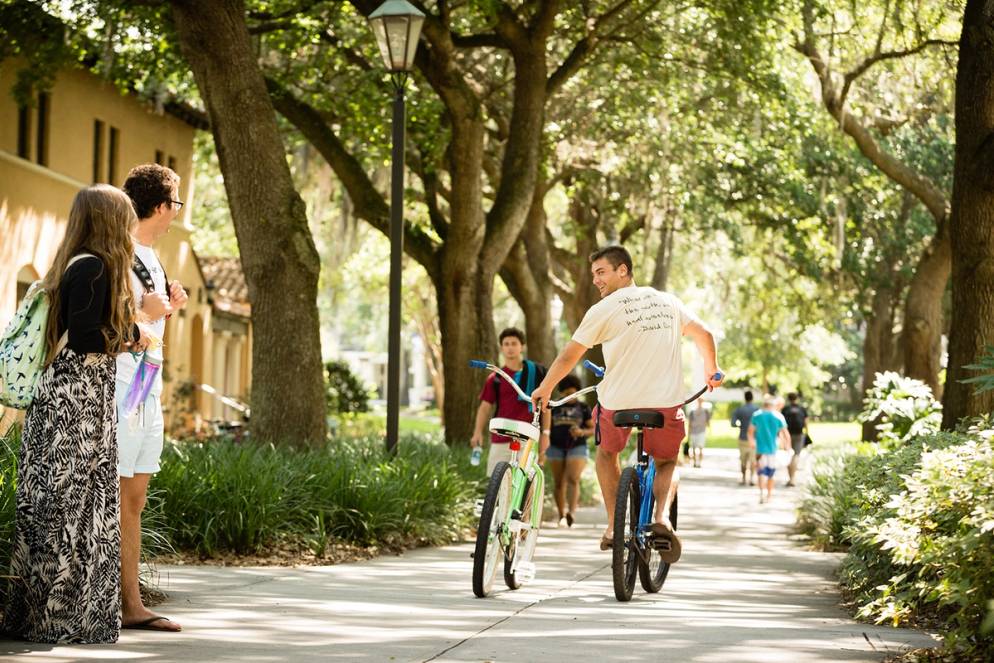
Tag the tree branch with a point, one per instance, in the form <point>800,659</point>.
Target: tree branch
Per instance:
<point>369,203</point>
<point>865,65</point>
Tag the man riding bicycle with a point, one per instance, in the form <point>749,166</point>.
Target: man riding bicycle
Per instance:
<point>640,329</point>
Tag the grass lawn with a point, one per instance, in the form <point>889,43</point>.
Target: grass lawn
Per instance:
<point>723,436</point>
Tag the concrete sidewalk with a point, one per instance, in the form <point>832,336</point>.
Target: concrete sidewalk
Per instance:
<point>742,592</point>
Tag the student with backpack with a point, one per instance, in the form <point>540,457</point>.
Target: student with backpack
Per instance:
<point>797,423</point>
<point>498,399</point>
<point>65,564</point>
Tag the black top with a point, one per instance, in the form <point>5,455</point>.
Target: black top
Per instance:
<point>565,417</point>
<point>795,416</point>
<point>85,305</point>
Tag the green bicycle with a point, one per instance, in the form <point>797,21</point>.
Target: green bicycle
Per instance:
<point>511,515</point>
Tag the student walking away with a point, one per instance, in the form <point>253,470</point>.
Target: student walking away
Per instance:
<point>700,421</point>
<point>747,453</point>
<point>154,192</point>
<point>767,432</point>
<point>66,563</point>
<point>499,399</point>
<point>572,424</point>
<point>797,423</point>
<point>640,329</point>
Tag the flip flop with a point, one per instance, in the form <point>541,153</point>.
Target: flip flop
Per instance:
<point>147,625</point>
<point>665,532</point>
<point>607,542</point>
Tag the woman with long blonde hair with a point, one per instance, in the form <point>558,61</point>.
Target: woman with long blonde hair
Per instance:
<point>66,549</point>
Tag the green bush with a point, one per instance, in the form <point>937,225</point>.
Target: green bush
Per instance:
<point>215,496</point>
<point>918,526</point>
<point>10,443</point>
<point>344,392</point>
<point>904,406</point>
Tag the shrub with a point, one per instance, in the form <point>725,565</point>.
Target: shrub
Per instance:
<point>217,497</point>
<point>918,526</point>
<point>10,443</point>
<point>344,392</point>
<point>905,407</point>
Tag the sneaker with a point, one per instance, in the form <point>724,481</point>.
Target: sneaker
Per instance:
<point>569,520</point>
<point>791,484</point>
<point>562,523</point>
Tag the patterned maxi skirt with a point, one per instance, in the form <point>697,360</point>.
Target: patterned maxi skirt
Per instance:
<point>66,558</point>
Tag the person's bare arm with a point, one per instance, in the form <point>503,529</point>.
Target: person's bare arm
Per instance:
<point>704,340</point>
<point>563,364</point>
<point>482,417</point>
<point>543,440</point>
<point>752,436</point>
<point>784,438</point>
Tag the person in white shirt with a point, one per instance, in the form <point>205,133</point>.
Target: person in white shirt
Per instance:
<point>153,190</point>
<point>640,329</point>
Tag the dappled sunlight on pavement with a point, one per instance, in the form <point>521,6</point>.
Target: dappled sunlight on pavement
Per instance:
<point>742,592</point>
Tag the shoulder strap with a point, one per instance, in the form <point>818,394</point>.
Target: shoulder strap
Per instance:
<point>141,271</point>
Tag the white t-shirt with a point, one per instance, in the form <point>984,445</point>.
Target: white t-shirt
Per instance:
<point>126,362</point>
<point>640,329</point>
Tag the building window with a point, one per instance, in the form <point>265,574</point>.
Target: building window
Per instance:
<point>44,109</point>
<point>98,151</point>
<point>112,149</point>
<point>159,157</point>
<point>24,132</point>
<point>172,163</point>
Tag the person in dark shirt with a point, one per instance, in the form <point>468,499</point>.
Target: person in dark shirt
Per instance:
<point>747,453</point>
<point>572,424</point>
<point>66,547</point>
<point>797,424</point>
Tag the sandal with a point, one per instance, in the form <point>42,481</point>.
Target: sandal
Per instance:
<point>666,533</point>
<point>607,542</point>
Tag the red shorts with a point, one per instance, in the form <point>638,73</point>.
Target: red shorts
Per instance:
<point>660,443</point>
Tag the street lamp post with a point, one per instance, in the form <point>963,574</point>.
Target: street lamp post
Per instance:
<point>397,26</point>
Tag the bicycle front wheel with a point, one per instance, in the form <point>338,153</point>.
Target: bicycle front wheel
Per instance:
<point>653,570</point>
<point>625,552</point>
<point>488,534</point>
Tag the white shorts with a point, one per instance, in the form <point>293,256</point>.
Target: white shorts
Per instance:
<point>697,440</point>
<point>140,436</point>
<point>498,452</point>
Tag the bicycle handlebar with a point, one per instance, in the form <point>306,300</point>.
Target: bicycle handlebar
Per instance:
<point>476,363</point>
<point>591,366</point>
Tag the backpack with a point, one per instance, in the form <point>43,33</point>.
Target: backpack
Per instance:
<point>528,378</point>
<point>22,346</point>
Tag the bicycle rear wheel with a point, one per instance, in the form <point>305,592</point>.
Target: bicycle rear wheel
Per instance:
<point>526,541</point>
<point>488,533</point>
<point>653,571</point>
<point>625,552</point>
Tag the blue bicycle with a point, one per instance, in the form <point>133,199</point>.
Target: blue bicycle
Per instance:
<point>636,547</point>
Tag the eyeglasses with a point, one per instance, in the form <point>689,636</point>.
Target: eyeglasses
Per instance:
<point>177,202</point>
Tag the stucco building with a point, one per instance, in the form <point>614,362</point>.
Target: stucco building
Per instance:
<point>84,130</point>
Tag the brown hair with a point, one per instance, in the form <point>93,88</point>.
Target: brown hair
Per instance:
<point>512,332</point>
<point>616,255</point>
<point>100,223</point>
<point>150,185</point>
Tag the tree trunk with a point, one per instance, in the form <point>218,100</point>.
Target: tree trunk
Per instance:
<point>466,318</point>
<point>922,335</point>
<point>972,221</point>
<point>877,346</point>
<point>664,255</point>
<point>526,274</point>
<point>278,255</point>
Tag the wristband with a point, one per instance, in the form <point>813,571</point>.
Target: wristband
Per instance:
<point>546,431</point>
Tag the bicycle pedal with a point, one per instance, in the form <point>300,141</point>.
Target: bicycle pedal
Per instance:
<point>525,571</point>
<point>662,545</point>
<point>518,526</point>
<point>472,555</point>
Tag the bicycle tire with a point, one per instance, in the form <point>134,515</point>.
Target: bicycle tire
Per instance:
<point>495,505</point>
<point>525,545</point>
<point>625,553</point>
<point>653,572</point>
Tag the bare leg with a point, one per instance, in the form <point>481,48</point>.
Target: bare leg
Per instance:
<point>574,470</point>
<point>664,488</point>
<point>558,468</point>
<point>133,491</point>
<point>608,466</point>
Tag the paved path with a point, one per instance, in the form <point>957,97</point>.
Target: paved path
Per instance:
<point>742,592</point>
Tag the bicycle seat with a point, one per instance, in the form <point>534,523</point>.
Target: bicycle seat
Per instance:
<point>638,419</point>
<point>519,430</point>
